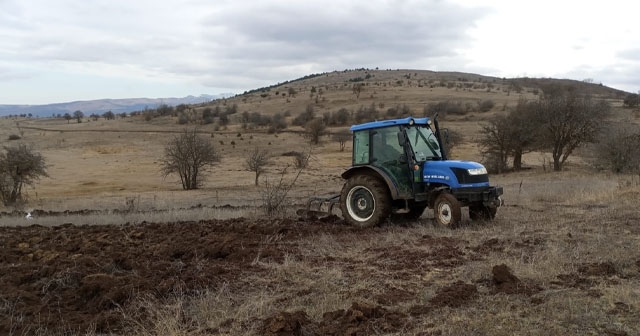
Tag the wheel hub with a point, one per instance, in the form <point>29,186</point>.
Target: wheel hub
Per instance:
<point>361,203</point>
<point>445,213</point>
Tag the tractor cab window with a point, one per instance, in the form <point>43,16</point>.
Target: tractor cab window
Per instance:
<point>361,147</point>
<point>424,143</point>
<point>385,145</point>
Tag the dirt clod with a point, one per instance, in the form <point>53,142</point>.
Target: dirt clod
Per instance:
<point>506,282</point>
<point>455,295</point>
<point>285,324</point>
<point>598,269</point>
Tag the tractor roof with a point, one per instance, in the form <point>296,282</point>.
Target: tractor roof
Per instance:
<point>391,122</point>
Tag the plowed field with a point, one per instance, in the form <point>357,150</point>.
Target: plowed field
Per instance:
<point>294,277</point>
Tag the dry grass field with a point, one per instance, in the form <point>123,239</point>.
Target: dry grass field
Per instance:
<point>116,249</point>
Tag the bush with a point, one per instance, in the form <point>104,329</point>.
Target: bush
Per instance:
<point>619,150</point>
<point>445,108</point>
<point>632,100</point>
<point>14,137</point>
<point>183,119</point>
<point>486,105</point>
<point>19,166</point>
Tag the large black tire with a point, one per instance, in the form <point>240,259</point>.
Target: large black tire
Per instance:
<point>365,201</point>
<point>447,210</point>
<point>482,212</point>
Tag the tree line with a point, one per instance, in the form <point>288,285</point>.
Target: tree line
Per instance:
<point>559,122</point>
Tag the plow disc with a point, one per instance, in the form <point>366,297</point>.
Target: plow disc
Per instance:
<point>320,207</point>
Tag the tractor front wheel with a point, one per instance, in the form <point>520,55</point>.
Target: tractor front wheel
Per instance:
<point>365,201</point>
<point>447,210</point>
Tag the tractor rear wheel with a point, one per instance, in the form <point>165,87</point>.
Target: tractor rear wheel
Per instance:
<point>365,201</point>
<point>447,210</point>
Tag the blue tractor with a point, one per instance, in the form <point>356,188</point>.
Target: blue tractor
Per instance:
<point>400,167</point>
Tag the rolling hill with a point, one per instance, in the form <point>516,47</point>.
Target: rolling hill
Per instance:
<point>103,105</point>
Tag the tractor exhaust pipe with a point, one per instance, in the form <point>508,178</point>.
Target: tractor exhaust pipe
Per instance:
<point>436,125</point>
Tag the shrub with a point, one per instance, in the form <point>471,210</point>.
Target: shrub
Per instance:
<point>14,137</point>
<point>183,119</point>
<point>19,166</point>
<point>486,105</point>
<point>619,150</point>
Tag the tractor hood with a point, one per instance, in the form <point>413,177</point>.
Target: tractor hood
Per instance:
<point>455,174</point>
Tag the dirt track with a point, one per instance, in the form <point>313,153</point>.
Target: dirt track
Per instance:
<point>77,278</point>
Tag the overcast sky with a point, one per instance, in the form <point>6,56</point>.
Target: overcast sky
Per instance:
<point>64,50</point>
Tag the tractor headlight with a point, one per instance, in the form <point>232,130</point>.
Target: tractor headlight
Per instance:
<point>477,171</point>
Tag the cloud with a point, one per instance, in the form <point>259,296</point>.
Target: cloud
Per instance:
<point>333,35</point>
<point>239,45</point>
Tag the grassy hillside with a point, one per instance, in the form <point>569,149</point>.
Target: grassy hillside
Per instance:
<point>97,164</point>
<point>387,88</point>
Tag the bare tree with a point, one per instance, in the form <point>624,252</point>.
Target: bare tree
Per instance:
<point>314,130</point>
<point>494,141</point>
<point>189,155</point>
<point>78,115</point>
<point>67,117</point>
<point>357,89</point>
<point>619,149</point>
<point>453,139</point>
<point>568,120</point>
<point>632,100</point>
<point>109,115</point>
<point>523,135</point>
<point>19,166</point>
<point>341,138</point>
<point>256,161</point>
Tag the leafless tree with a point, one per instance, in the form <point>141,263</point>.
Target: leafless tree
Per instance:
<point>189,155</point>
<point>494,143</point>
<point>523,135</point>
<point>357,89</point>
<point>314,130</point>
<point>619,149</point>
<point>78,115</point>
<point>109,115</point>
<point>67,117</point>
<point>19,166</point>
<point>568,120</point>
<point>256,161</point>
<point>341,138</point>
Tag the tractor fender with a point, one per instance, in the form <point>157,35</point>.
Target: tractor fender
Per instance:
<point>435,191</point>
<point>373,171</point>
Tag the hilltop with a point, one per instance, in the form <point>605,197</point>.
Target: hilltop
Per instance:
<point>409,90</point>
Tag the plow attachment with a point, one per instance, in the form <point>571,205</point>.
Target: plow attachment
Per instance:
<point>320,207</point>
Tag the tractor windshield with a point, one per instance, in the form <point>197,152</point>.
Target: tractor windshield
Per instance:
<point>424,143</point>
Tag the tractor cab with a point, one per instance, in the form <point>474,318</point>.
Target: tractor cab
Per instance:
<point>399,148</point>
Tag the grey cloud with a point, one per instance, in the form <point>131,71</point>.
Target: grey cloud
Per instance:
<point>340,36</point>
<point>238,45</point>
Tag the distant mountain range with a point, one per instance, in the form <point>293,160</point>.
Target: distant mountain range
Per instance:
<point>103,105</point>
